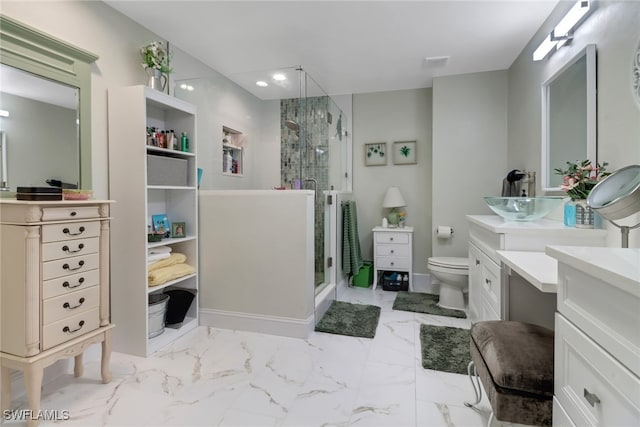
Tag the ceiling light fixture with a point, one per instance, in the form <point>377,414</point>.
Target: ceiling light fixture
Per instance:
<point>564,30</point>
<point>262,83</point>
<point>279,77</point>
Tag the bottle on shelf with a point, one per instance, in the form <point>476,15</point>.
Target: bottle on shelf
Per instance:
<point>184,142</point>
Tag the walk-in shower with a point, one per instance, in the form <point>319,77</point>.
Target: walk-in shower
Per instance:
<point>313,156</point>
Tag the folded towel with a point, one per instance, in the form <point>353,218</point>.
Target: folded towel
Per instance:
<point>160,250</point>
<point>174,258</point>
<point>172,272</point>
<point>157,257</point>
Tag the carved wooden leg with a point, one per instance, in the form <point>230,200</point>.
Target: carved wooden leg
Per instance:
<point>33,385</point>
<point>106,355</point>
<point>5,403</point>
<point>78,367</point>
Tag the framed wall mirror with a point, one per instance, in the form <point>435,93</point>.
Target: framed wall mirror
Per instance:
<point>45,98</point>
<point>569,116</point>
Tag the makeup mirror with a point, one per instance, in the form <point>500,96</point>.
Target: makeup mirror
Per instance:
<point>45,109</point>
<point>569,116</point>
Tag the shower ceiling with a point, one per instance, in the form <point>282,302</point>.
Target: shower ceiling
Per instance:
<point>347,46</point>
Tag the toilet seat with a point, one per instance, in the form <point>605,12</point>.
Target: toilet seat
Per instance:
<point>452,264</point>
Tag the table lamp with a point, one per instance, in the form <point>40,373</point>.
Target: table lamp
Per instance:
<point>393,199</point>
<point>618,196</point>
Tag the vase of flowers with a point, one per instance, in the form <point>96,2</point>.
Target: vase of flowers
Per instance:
<point>578,179</point>
<point>156,60</point>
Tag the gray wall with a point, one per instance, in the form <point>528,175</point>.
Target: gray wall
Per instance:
<point>469,151</point>
<point>388,117</point>
<point>614,26</point>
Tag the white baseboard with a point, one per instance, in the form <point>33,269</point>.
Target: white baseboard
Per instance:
<point>341,287</point>
<point>284,326</point>
<point>323,301</point>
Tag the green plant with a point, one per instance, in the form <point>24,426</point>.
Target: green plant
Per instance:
<point>155,56</point>
<point>578,179</point>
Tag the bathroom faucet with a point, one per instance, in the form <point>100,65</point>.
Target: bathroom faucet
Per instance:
<point>530,180</point>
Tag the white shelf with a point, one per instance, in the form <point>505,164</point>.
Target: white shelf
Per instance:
<point>170,334</point>
<point>152,289</point>
<point>178,153</point>
<point>131,111</point>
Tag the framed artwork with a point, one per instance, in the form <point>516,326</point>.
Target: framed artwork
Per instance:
<point>404,153</point>
<point>178,229</point>
<point>161,224</point>
<point>375,154</point>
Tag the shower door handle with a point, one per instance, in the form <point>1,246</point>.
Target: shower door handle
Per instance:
<point>315,185</point>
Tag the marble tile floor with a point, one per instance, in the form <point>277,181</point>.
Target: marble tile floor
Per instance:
<point>218,377</point>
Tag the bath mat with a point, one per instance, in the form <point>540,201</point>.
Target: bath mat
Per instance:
<point>354,320</point>
<point>424,303</point>
<point>445,348</point>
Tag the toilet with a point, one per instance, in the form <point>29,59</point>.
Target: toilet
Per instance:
<point>452,274</point>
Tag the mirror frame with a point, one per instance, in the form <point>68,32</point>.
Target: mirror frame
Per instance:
<point>30,50</point>
<point>590,52</point>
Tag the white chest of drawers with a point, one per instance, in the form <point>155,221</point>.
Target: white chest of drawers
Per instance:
<point>597,344</point>
<point>393,251</point>
<point>54,295</point>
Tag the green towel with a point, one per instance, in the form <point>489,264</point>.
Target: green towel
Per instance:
<point>351,254</point>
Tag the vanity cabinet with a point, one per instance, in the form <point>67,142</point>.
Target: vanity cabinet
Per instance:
<point>148,180</point>
<point>54,294</point>
<point>597,345</point>
<point>488,291</point>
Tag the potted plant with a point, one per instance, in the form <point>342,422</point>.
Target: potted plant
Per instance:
<point>578,179</point>
<point>156,60</point>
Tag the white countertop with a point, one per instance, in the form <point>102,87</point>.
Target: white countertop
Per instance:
<point>536,268</point>
<point>618,266</point>
<point>497,224</point>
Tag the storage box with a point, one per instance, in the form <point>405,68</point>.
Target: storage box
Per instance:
<point>364,277</point>
<point>164,170</point>
<point>392,281</point>
<point>39,193</point>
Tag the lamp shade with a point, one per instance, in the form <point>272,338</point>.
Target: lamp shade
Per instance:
<point>393,198</point>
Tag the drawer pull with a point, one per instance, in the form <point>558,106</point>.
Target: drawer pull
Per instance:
<point>392,263</point>
<point>68,307</point>
<point>73,213</point>
<point>80,264</point>
<point>591,398</point>
<point>392,251</point>
<point>68,285</point>
<point>477,262</point>
<point>71,331</point>
<point>66,249</point>
<point>391,239</point>
<point>487,281</point>
<point>69,233</point>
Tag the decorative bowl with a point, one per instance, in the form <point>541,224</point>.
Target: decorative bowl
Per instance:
<point>524,208</point>
<point>76,194</point>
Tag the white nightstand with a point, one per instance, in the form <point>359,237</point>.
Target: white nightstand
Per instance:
<point>393,251</point>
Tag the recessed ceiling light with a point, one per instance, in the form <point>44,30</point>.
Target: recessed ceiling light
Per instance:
<point>279,77</point>
<point>262,83</point>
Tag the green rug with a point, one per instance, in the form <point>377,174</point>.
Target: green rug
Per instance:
<point>354,320</point>
<point>424,303</point>
<point>445,348</point>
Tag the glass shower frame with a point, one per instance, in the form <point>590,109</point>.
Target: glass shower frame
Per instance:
<point>314,157</point>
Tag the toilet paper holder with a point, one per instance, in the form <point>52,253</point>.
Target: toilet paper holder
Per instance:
<point>444,232</point>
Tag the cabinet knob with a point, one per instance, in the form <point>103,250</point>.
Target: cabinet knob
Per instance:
<point>487,281</point>
<point>391,239</point>
<point>392,251</point>
<point>392,263</point>
<point>591,398</point>
<point>477,262</point>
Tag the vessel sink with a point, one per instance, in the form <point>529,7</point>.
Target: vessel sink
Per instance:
<point>524,208</point>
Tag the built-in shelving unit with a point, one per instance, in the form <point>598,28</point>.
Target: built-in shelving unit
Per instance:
<point>232,151</point>
<point>149,180</point>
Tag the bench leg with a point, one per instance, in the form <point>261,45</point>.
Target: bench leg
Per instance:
<point>475,383</point>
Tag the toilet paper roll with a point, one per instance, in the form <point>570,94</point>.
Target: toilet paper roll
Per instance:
<point>444,232</point>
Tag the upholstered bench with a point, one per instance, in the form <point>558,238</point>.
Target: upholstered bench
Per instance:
<point>514,361</point>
